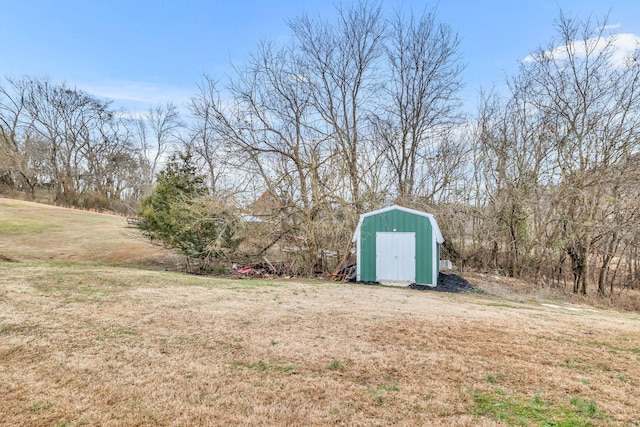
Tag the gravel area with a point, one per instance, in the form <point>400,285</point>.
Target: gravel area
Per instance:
<point>449,283</point>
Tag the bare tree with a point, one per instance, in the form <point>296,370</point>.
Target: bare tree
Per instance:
<point>158,133</point>
<point>421,105</point>
<point>556,149</point>
<point>339,61</point>
<point>67,141</point>
<point>300,120</point>
<point>21,149</point>
<point>596,106</point>
<point>268,129</point>
<point>210,146</point>
<point>67,120</point>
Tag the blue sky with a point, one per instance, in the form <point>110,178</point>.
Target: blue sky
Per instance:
<point>143,52</point>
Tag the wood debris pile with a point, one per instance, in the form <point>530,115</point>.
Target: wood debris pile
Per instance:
<point>267,269</point>
<point>345,274</point>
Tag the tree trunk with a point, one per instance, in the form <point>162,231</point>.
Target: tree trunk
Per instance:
<point>586,271</point>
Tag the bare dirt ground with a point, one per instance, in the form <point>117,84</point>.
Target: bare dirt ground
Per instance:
<point>103,343</point>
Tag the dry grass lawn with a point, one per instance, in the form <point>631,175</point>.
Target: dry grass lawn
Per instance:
<point>32,232</point>
<point>89,337</point>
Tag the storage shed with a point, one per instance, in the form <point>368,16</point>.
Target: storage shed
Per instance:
<point>398,244</point>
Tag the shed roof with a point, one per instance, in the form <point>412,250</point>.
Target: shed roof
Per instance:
<point>434,224</point>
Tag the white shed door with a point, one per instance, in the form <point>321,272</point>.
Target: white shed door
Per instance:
<point>396,256</point>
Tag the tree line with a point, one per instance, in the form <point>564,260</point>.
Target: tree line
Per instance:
<point>354,114</point>
<point>76,149</point>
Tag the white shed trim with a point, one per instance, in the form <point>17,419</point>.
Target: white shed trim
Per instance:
<point>358,252</point>
<point>437,234</point>
<point>435,266</point>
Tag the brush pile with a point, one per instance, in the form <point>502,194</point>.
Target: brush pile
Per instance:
<point>267,269</point>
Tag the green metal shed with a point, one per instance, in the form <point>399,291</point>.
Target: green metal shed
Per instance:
<point>398,244</point>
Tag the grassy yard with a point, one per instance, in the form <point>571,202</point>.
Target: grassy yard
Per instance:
<point>93,331</point>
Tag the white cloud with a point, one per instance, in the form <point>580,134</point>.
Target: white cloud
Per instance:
<point>623,49</point>
<point>610,27</point>
<point>137,97</point>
